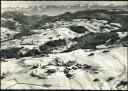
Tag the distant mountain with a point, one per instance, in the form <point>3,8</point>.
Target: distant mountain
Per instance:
<point>53,10</point>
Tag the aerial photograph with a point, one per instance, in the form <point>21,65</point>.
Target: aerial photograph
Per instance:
<point>72,45</point>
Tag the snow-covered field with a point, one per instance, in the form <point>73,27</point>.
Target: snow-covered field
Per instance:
<point>99,71</point>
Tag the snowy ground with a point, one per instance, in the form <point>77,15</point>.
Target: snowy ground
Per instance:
<point>99,71</point>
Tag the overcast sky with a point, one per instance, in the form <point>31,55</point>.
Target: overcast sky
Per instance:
<point>41,3</point>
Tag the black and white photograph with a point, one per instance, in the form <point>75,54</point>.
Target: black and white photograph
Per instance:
<point>72,45</point>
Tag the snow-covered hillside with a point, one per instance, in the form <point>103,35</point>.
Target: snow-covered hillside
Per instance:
<point>7,34</point>
<point>73,70</point>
